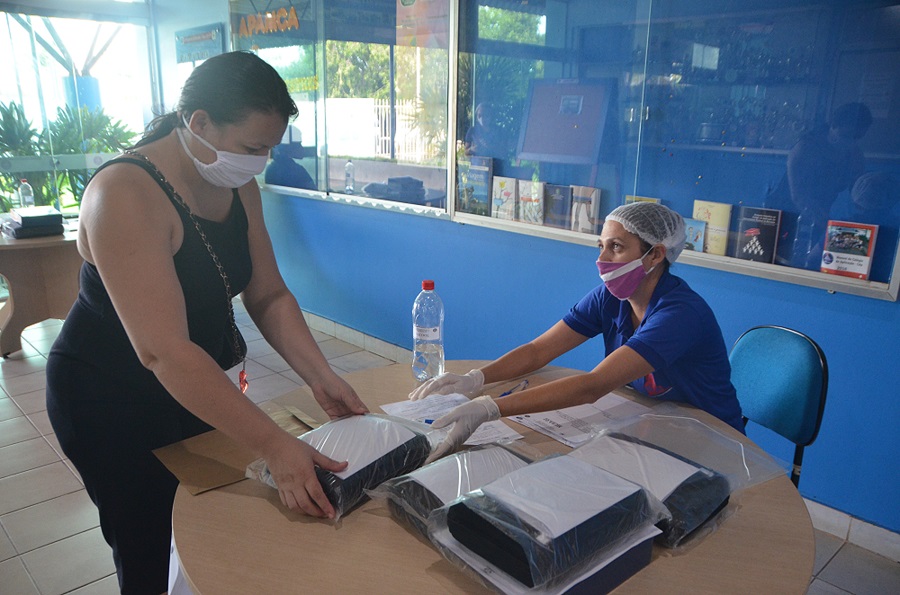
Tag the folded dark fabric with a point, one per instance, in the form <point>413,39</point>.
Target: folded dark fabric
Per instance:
<point>540,522</point>
<point>394,192</point>
<point>17,231</point>
<point>692,493</point>
<point>376,447</point>
<point>413,497</point>
<point>36,216</point>
<point>406,182</point>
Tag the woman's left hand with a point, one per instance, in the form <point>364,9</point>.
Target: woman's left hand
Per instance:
<point>337,398</point>
<point>465,419</point>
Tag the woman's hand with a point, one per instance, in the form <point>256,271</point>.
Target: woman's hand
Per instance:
<point>468,384</point>
<point>337,398</point>
<point>292,465</point>
<point>465,419</point>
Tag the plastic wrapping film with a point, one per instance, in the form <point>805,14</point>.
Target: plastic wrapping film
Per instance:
<point>411,498</point>
<point>377,447</point>
<point>544,523</point>
<point>676,429</point>
<point>691,493</point>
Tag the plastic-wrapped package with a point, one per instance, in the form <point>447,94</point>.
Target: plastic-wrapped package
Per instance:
<point>376,447</point>
<point>675,428</point>
<point>548,520</point>
<point>691,493</point>
<point>414,496</point>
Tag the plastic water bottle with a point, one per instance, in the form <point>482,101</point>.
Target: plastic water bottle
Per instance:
<point>349,177</point>
<point>26,193</point>
<point>428,333</point>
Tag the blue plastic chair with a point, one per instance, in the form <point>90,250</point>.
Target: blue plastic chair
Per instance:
<point>781,377</point>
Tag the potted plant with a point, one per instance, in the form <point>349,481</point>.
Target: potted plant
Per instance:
<point>74,132</point>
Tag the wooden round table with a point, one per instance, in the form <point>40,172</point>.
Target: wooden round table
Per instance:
<point>240,539</point>
<point>42,275</point>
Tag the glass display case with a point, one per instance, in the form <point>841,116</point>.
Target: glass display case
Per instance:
<point>761,123</point>
<point>540,117</point>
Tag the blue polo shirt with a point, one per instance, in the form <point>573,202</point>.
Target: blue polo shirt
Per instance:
<point>679,337</point>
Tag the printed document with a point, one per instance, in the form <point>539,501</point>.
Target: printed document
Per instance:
<point>574,425</point>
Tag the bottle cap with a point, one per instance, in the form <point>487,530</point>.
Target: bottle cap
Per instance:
<point>428,285</point>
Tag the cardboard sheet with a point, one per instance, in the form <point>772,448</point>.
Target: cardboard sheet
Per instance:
<point>213,460</point>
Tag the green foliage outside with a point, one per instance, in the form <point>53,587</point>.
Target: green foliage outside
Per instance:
<point>500,24</point>
<point>499,80</point>
<point>73,132</point>
<point>363,70</point>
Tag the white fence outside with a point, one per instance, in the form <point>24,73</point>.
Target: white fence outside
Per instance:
<point>362,128</point>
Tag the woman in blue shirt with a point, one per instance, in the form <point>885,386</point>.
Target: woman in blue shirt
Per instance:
<point>660,336</point>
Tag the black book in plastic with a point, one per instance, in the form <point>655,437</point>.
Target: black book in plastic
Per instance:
<point>539,523</point>
<point>692,493</point>
<point>377,448</point>
<point>413,497</point>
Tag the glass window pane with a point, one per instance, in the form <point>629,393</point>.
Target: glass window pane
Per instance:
<point>371,83</point>
<point>793,108</point>
<point>549,106</point>
<point>80,93</point>
<point>386,106</point>
<point>568,109</point>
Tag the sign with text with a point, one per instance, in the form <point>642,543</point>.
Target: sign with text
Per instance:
<point>199,43</point>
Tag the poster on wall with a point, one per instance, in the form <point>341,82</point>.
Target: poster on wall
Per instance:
<point>199,43</point>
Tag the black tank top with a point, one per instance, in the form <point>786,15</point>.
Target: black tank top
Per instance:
<point>93,333</point>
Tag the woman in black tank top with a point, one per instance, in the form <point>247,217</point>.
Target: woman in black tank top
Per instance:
<point>171,232</point>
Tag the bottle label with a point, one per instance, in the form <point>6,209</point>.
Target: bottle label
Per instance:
<point>427,333</point>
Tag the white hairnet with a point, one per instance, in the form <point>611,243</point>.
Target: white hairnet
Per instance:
<point>653,223</point>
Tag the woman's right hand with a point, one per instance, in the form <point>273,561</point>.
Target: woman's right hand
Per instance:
<point>292,465</point>
<point>468,384</point>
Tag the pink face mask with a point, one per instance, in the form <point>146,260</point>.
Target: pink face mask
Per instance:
<point>622,278</point>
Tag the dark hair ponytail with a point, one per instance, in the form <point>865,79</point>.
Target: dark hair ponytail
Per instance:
<point>228,87</point>
<point>159,127</point>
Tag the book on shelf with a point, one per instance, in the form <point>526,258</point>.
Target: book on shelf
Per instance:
<point>586,209</point>
<point>531,202</point>
<point>36,216</point>
<point>474,179</point>
<point>630,198</point>
<point>695,232</point>
<point>557,205</point>
<point>717,216</point>
<point>757,235</point>
<point>849,248</point>
<point>504,196</point>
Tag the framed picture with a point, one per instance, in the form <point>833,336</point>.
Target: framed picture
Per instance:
<point>564,120</point>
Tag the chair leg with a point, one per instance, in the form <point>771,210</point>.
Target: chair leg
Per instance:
<point>798,462</point>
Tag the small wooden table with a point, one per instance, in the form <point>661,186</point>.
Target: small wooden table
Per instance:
<point>240,538</point>
<point>42,275</point>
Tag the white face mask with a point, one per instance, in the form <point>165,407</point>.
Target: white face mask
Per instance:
<point>229,170</point>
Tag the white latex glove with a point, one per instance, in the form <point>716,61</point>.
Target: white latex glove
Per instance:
<point>468,384</point>
<point>465,419</point>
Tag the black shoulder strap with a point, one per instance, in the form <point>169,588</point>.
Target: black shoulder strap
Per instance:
<point>147,166</point>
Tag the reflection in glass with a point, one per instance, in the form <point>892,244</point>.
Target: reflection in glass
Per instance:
<point>730,106</point>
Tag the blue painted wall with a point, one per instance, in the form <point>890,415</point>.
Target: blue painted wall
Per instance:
<point>362,268</point>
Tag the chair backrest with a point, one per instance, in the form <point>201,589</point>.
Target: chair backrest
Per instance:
<point>781,378</point>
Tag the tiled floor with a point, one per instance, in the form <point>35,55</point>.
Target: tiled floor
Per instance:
<point>50,541</point>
